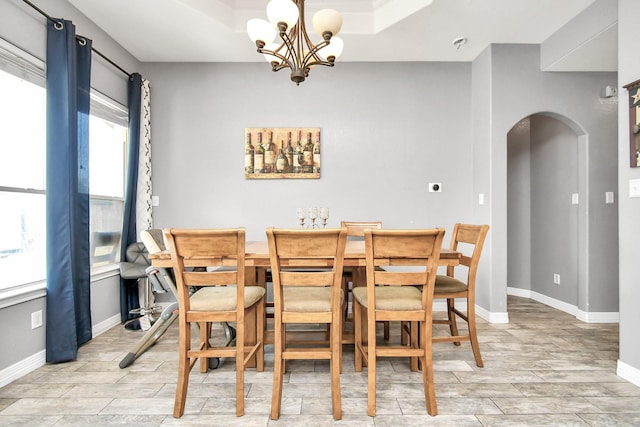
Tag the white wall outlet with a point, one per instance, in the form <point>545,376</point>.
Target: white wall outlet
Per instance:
<point>36,319</point>
<point>481,199</point>
<point>155,200</point>
<point>435,187</point>
<point>575,198</point>
<point>556,279</point>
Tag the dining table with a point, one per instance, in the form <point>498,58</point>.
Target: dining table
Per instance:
<point>257,263</point>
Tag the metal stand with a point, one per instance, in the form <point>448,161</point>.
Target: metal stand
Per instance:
<point>161,281</point>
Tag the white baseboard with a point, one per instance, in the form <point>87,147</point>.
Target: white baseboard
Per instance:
<point>584,316</point>
<point>22,368</point>
<point>491,317</point>
<point>105,325</point>
<point>33,362</point>
<point>628,373</point>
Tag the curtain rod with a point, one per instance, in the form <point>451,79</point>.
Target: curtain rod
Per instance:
<point>102,55</point>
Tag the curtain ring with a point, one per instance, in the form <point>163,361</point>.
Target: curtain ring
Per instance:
<point>81,41</point>
<point>58,25</point>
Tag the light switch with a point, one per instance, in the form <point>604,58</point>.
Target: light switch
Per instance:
<point>575,198</point>
<point>608,197</point>
<point>634,188</point>
<point>481,199</point>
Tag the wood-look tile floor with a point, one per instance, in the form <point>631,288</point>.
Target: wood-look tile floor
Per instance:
<point>544,368</point>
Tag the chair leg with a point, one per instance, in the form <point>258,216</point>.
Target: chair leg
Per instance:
<point>336,367</point>
<point>386,330</point>
<point>427,371</point>
<point>453,326</point>
<point>357,334</point>
<point>473,335</point>
<point>278,370</point>
<point>260,326</point>
<point>240,331</point>
<point>371,363</point>
<point>184,367</point>
<point>413,361</point>
<point>205,333</point>
<point>404,333</point>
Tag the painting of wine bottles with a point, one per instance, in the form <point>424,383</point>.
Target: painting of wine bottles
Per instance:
<point>281,153</point>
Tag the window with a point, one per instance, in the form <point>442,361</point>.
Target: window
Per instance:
<point>107,168</point>
<point>22,171</point>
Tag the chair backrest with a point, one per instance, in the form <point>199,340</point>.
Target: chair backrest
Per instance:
<point>410,258</point>
<point>136,253</point>
<point>356,228</point>
<point>162,279</point>
<point>306,258</point>
<point>194,251</point>
<point>153,240</point>
<point>468,239</point>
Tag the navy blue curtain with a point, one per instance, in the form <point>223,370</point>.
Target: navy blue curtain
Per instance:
<point>67,212</point>
<point>128,288</point>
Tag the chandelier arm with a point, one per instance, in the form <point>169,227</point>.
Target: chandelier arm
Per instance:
<point>325,63</point>
<point>285,62</point>
<point>313,53</point>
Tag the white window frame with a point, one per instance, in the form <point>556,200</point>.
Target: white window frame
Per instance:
<point>15,60</point>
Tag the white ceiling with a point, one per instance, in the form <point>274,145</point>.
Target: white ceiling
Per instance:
<point>373,30</point>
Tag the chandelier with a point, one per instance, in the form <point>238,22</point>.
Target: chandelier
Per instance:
<point>296,51</point>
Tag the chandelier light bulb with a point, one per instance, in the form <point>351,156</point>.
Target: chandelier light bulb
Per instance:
<point>282,11</point>
<point>327,21</point>
<point>259,29</point>
<point>333,49</point>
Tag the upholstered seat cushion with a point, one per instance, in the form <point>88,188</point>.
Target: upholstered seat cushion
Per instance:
<point>391,297</point>
<point>307,299</point>
<point>446,284</point>
<point>223,298</point>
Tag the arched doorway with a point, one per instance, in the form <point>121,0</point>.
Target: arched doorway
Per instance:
<point>546,211</point>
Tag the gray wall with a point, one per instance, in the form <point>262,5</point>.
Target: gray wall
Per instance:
<point>25,28</point>
<point>512,87</point>
<point>629,212</point>
<point>519,205</point>
<point>387,131</point>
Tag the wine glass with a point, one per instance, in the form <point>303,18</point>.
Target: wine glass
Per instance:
<point>324,216</point>
<point>313,215</point>
<point>301,215</point>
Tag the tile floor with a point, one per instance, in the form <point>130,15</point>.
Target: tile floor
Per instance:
<point>544,368</point>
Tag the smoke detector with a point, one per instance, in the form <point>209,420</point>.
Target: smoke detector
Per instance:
<point>459,42</point>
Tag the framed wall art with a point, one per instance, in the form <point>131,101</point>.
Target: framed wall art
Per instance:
<point>634,123</point>
<point>282,153</point>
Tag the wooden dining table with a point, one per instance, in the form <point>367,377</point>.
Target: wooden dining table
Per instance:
<point>257,256</point>
<point>257,263</point>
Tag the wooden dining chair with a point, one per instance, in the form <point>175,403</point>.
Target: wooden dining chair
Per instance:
<point>355,230</point>
<point>403,292</point>
<point>306,268</point>
<point>209,294</point>
<point>468,239</point>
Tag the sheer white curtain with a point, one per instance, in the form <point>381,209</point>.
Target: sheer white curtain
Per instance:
<point>144,210</point>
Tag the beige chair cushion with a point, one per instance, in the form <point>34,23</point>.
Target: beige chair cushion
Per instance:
<point>391,297</point>
<point>223,298</point>
<point>307,299</point>
<point>446,284</point>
